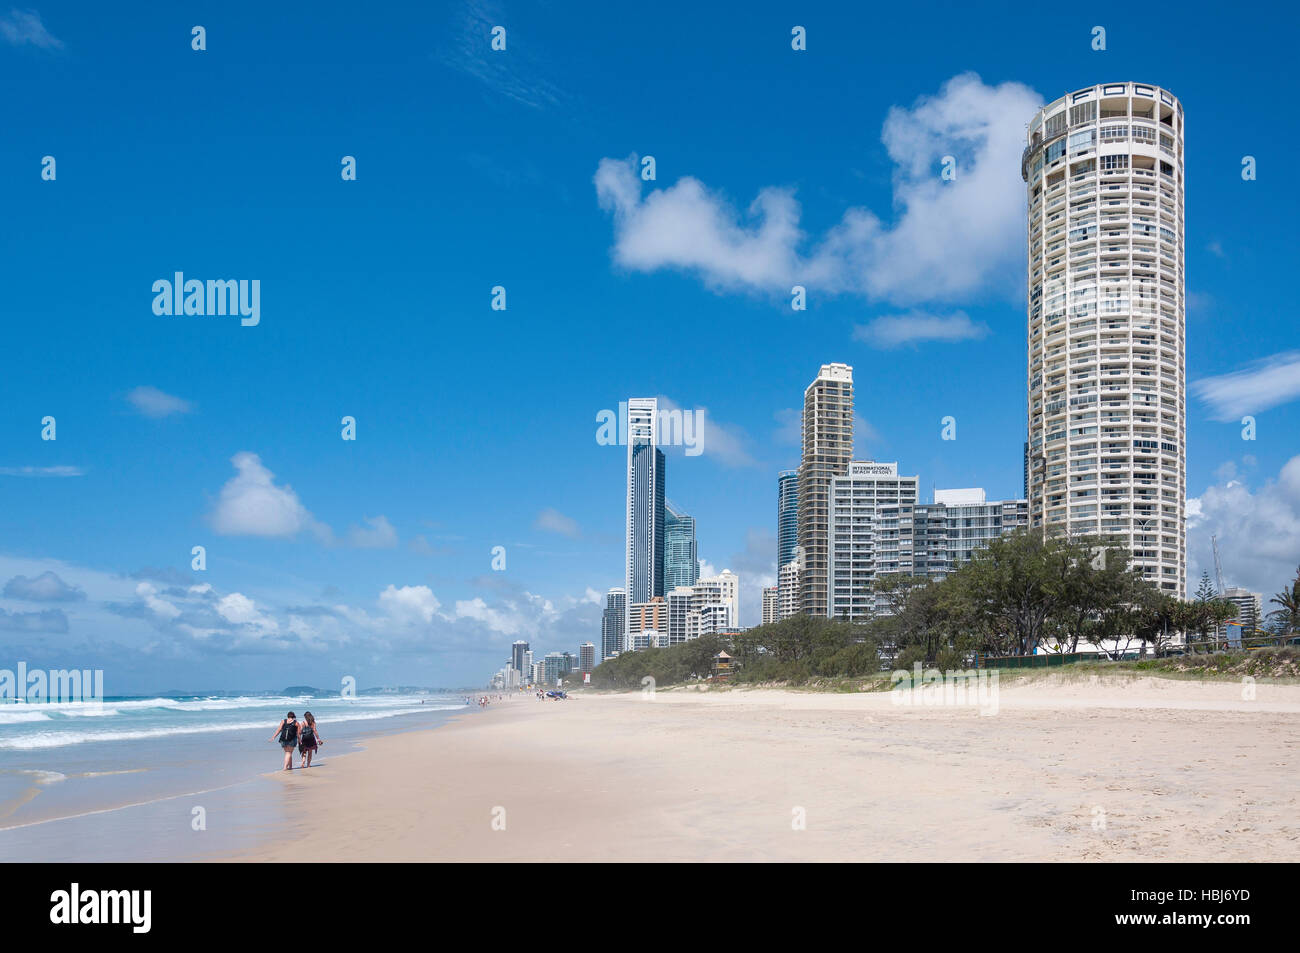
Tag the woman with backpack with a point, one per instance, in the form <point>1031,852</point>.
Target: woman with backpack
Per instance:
<point>308,738</point>
<point>287,734</point>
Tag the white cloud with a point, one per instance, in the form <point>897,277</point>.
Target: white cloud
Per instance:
<point>789,425</point>
<point>524,613</point>
<point>724,443</point>
<point>152,402</point>
<point>553,521</point>
<point>950,239</point>
<point>410,604</point>
<point>1258,531</point>
<point>380,535</point>
<point>251,504</point>
<point>160,607</point>
<point>494,619</point>
<point>25,26</point>
<point>916,327</point>
<point>1254,389</point>
<point>237,608</point>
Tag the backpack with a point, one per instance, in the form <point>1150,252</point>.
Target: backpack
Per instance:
<point>288,733</point>
<point>306,737</point>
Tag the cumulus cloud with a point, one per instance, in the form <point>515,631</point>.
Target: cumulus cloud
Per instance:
<point>1258,530</point>
<point>160,607</point>
<point>251,504</point>
<point>1261,385</point>
<point>47,587</point>
<point>25,27</point>
<point>380,534</point>
<point>151,402</point>
<point>410,604</point>
<point>949,239</point>
<point>916,327</point>
<point>724,443</point>
<point>238,609</point>
<point>553,521</point>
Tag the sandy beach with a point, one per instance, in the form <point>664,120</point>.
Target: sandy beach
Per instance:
<point>1113,769</point>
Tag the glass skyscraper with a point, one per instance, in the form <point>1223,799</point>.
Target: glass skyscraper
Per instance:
<point>645,502</point>
<point>681,567</point>
<point>612,623</point>
<point>787,515</point>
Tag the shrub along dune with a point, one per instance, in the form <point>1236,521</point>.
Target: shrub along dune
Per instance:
<point>1019,593</point>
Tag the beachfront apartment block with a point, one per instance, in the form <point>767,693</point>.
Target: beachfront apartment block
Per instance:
<point>647,624</point>
<point>1103,172</point>
<point>788,587</point>
<point>769,604</point>
<point>865,542</point>
<point>711,605</point>
<point>879,529</point>
<point>948,531</point>
<point>1249,608</point>
<point>827,450</point>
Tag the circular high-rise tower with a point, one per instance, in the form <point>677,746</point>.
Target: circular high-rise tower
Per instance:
<point>1107,455</point>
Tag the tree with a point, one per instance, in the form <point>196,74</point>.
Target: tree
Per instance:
<point>1206,591</point>
<point>1098,590</point>
<point>1287,614</point>
<point>1014,586</point>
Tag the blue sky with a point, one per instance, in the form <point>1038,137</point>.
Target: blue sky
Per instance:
<point>476,428</point>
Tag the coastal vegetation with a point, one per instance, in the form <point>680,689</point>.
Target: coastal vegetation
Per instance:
<point>1019,594</point>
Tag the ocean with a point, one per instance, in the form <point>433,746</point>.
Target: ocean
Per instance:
<point>171,777</point>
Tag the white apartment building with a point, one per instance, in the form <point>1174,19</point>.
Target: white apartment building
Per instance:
<point>769,604</point>
<point>1249,608</point>
<point>789,590</point>
<point>708,619</point>
<point>1103,169</point>
<point>722,589</point>
<point>679,608</point>
<point>864,542</point>
<point>827,450</point>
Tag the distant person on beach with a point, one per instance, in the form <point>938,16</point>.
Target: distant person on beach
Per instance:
<point>287,734</point>
<point>308,738</point>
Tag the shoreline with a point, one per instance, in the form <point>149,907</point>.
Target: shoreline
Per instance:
<point>769,774</point>
<point>172,802</point>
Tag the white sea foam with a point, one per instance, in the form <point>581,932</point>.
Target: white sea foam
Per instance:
<point>61,737</point>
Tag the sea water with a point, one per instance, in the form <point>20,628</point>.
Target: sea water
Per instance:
<point>170,777</point>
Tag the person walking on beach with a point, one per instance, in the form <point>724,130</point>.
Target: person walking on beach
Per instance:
<point>287,734</point>
<point>308,738</point>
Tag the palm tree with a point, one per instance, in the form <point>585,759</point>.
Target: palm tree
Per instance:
<point>1289,600</point>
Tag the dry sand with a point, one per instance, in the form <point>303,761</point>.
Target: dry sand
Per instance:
<point>1118,769</point>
